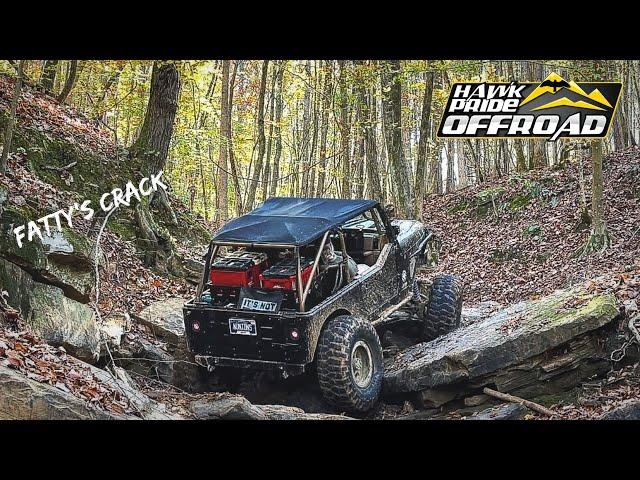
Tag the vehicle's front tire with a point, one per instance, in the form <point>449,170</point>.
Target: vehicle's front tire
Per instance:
<point>350,365</point>
<point>444,310</point>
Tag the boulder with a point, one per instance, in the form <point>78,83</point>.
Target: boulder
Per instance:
<point>226,407</point>
<point>67,247</point>
<point>628,410</point>
<point>283,412</point>
<point>24,399</point>
<point>506,411</point>
<point>113,328</point>
<point>56,318</point>
<point>165,320</point>
<point>475,400</point>
<point>149,409</point>
<point>62,259</point>
<point>31,254</point>
<point>436,397</point>
<point>143,357</point>
<point>530,342</point>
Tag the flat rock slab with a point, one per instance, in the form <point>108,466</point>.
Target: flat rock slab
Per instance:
<point>165,319</point>
<point>506,411</point>
<point>227,406</point>
<point>508,337</point>
<point>24,399</point>
<point>629,410</point>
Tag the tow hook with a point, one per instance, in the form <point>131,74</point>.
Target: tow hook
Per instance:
<point>284,373</point>
<point>210,368</point>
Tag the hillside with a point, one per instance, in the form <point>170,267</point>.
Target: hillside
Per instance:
<point>515,238</point>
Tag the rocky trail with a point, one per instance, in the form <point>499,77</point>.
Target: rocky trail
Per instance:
<point>538,323</point>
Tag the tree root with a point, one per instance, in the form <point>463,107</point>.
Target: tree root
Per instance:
<point>160,200</point>
<point>148,236</point>
<point>597,242</point>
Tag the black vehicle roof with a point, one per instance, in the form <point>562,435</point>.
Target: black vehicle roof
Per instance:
<point>291,221</point>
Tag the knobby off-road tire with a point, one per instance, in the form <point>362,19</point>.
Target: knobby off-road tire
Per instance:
<point>444,309</point>
<point>347,344</point>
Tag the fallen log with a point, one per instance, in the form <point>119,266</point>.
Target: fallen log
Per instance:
<point>531,348</point>
<point>536,407</point>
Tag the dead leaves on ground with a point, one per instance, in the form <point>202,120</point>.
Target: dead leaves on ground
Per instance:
<point>41,362</point>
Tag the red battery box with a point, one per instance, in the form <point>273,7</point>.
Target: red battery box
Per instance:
<point>282,275</point>
<point>239,269</point>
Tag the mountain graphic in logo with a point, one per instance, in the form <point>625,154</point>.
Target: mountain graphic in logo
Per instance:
<point>572,95</point>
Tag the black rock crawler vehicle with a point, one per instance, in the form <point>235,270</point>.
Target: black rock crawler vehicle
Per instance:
<point>304,280</point>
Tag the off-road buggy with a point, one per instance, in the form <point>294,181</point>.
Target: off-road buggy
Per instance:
<point>270,300</point>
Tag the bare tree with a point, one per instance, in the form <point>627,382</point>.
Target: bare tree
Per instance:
<point>222,211</point>
<point>251,194</point>
<point>8,134</point>
<point>68,84</point>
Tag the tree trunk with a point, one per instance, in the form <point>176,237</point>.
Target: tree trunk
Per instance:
<point>343,105</point>
<point>423,142</point>
<point>152,145</point>
<point>251,194</point>
<point>371,149</point>
<point>305,150</point>
<point>392,107</point>
<point>222,209</point>
<point>451,181</point>
<point>278,131</point>
<point>599,238</point>
<point>324,126</point>
<point>48,79</point>
<point>266,177</point>
<point>597,203</point>
<point>8,134</point>
<point>232,158</point>
<point>521,166</point>
<point>68,84</point>
<point>151,149</point>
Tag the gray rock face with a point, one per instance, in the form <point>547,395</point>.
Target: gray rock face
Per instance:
<point>231,407</point>
<point>629,410</point>
<point>22,398</point>
<point>165,320</point>
<point>63,259</point>
<point>148,360</point>
<point>236,407</point>
<point>509,337</point>
<point>56,318</point>
<point>506,411</point>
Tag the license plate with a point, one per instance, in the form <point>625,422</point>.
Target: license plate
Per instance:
<point>259,305</point>
<point>242,326</point>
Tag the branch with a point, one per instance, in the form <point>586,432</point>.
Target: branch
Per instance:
<point>60,169</point>
<point>536,407</point>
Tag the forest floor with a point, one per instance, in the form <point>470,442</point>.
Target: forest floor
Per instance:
<point>510,239</point>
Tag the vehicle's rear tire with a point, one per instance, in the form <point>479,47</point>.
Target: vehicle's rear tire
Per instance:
<point>349,364</point>
<point>444,310</point>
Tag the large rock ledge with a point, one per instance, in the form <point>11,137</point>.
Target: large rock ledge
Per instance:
<point>24,399</point>
<point>477,353</point>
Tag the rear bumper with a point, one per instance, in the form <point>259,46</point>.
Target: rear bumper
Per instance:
<point>270,348</point>
<point>287,369</point>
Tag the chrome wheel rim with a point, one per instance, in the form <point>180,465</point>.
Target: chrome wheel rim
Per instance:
<point>361,364</point>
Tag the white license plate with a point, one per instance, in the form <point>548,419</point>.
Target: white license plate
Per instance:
<point>242,326</point>
<point>259,305</point>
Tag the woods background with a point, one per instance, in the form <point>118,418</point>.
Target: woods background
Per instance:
<point>245,130</point>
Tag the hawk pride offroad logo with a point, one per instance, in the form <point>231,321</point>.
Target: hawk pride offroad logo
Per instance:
<point>552,109</point>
